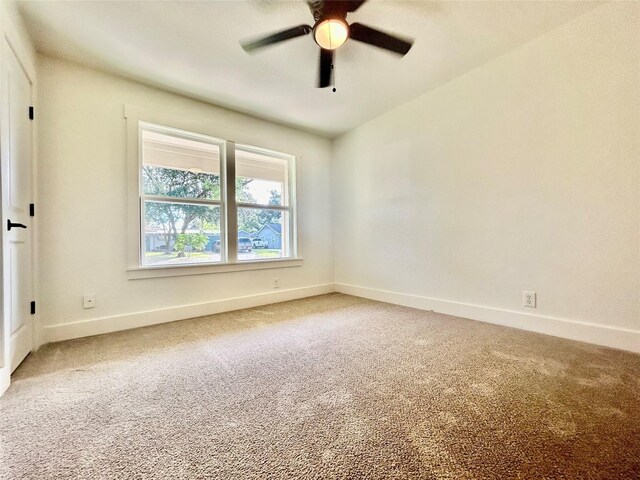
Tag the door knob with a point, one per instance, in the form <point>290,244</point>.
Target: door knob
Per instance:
<point>11,225</point>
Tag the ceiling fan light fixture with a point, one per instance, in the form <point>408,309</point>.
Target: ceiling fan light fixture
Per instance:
<point>331,33</point>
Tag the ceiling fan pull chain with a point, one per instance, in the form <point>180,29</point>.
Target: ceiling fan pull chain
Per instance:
<point>333,74</point>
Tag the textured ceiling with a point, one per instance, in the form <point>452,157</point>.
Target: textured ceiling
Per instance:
<point>192,48</point>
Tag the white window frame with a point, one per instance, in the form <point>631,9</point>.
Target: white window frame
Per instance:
<point>137,117</point>
<point>291,243</point>
<point>222,145</point>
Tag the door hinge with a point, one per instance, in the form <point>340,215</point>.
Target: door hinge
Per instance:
<point>33,308</point>
<point>32,210</point>
<point>31,113</point>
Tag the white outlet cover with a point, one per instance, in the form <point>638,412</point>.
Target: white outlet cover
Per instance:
<point>529,299</point>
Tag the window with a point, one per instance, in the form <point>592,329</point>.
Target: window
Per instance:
<point>180,184</point>
<point>207,201</point>
<point>262,197</point>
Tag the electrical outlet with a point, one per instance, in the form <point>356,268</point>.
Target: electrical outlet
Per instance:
<point>276,283</point>
<point>89,301</point>
<point>529,299</point>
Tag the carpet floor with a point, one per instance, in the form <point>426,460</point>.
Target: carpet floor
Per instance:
<point>333,387</point>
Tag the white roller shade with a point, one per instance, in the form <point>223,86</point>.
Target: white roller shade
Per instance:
<point>261,166</point>
<point>179,153</point>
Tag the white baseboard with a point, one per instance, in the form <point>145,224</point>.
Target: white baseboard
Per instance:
<point>615,337</point>
<point>5,379</point>
<point>98,326</point>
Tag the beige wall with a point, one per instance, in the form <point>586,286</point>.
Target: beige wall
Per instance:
<point>523,174</point>
<point>82,204</point>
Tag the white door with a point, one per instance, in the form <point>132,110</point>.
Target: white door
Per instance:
<point>16,151</point>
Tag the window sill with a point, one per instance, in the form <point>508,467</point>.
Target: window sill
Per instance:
<point>138,273</point>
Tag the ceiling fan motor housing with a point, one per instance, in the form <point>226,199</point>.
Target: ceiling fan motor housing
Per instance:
<point>322,10</point>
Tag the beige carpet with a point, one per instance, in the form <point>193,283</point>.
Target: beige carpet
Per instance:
<point>327,387</point>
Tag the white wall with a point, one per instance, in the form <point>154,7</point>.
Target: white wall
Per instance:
<point>82,209</point>
<point>523,174</point>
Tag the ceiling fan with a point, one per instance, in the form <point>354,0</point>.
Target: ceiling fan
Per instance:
<point>330,31</point>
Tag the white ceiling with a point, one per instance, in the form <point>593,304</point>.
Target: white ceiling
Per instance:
<point>192,48</point>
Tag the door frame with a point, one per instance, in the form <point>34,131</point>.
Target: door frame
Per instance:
<point>13,35</point>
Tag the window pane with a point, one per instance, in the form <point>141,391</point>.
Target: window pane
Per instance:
<point>261,178</point>
<point>262,234</point>
<point>177,166</point>
<point>177,233</point>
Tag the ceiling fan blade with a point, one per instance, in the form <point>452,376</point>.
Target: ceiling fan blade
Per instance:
<point>379,39</point>
<point>277,37</point>
<point>326,68</point>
